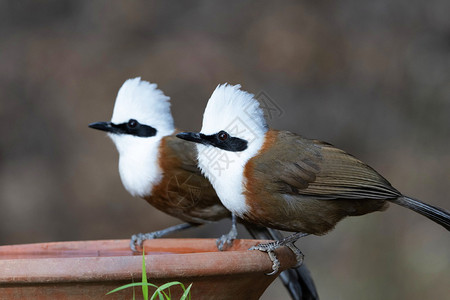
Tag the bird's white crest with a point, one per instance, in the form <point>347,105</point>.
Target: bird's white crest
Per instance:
<point>138,162</point>
<point>141,100</point>
<point>229,104</point>
<point>239,114</point>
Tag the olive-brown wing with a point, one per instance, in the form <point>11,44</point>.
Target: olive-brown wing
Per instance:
<point>296,165</point>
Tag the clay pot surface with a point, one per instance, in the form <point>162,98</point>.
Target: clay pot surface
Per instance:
<point>90,269</point>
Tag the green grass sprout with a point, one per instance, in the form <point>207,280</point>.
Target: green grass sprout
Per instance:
<point>159,292</point>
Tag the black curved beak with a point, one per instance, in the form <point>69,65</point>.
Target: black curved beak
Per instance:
<point>103,126</point>
<point>195,137</point>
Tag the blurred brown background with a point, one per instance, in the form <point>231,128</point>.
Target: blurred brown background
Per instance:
<point>371,77</point>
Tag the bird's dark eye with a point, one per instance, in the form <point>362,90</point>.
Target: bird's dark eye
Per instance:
<point>222,135</point>
<point>132,123</point>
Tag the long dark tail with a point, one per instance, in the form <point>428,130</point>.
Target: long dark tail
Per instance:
<point>298,281</point>
<point>436,214</point>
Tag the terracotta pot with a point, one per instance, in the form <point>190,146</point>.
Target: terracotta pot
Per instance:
<point>90,269</point>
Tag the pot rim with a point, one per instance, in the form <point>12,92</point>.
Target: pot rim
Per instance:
<point>106,260</point>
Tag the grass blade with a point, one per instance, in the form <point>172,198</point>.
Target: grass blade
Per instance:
<point>131,285</point>
<point>187,292</point>
<point>144,277</point>
<point>161,289</point>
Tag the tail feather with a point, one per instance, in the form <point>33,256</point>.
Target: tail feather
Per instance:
<point>298,281</point>
<point>436,214</point>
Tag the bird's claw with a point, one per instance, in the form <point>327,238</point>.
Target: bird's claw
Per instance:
<point>226,239</point>
<point>299,256</point>
<point>271,247</point>
<point>137,240</point>
<point>275,263</point>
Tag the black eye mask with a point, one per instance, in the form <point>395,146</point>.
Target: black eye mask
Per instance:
<point>132,127</point>
<point>220,140</point>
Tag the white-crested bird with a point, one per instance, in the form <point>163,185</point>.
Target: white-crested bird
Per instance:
<point>162,169</point>
<point>281,180</point>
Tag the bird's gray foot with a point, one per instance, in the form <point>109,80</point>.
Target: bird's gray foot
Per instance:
<point>226,240</point>
<point>138,239</point>
<point>288,242</point>
<point>270,249</point>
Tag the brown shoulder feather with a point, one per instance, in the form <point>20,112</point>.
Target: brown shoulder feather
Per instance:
<point>184,192</point>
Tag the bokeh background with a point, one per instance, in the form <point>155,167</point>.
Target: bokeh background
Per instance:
<point>371,77</point>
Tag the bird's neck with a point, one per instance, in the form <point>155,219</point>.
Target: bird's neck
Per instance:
<point>225,171</point>
<point>138,165</point>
